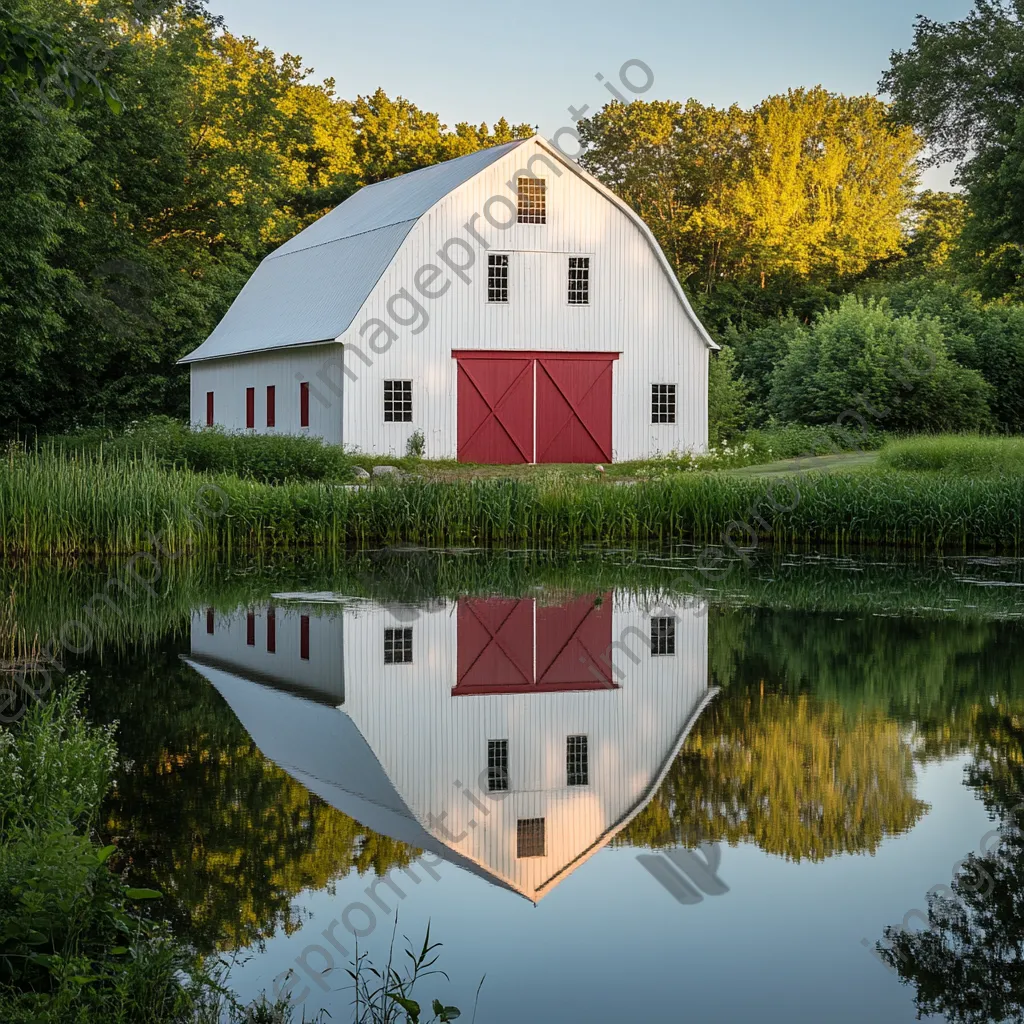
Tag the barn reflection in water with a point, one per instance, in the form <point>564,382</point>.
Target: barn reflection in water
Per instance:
<point>513,737</point>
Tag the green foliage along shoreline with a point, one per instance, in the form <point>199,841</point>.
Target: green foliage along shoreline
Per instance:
<point>61,505</point>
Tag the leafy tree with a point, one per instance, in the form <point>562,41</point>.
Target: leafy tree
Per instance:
<point>727,394</point>
<point>201,815</point>
<point>804,187</point>
<point>757,352</point>
<point>893,370</point>
<point>961,86</point>
<point>939,221</point>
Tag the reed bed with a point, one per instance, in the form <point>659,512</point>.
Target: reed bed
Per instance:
<point>67,506</point>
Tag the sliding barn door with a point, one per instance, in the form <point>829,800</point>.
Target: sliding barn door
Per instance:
<point>574,409</point>
<point>495,410</point>
<point>534,407</point>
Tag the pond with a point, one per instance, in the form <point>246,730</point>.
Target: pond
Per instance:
<point>612,788</point>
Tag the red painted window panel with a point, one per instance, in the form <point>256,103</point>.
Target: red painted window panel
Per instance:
<point>250,629</point>
<point>209,620</point>
<point>304,638</point>
<point>209,408</point>
<point>495,410</point>
<point>304,404</point>
<point>574,410</point>
<point>250,408</point>
<point>271,405</point>
<point>510,646</point>
<point>271,631</point>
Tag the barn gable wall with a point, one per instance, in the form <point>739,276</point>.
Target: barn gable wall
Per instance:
<point>633,309</point>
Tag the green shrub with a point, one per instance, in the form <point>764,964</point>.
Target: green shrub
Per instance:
<point>758,351</point>
<point>727,396</point>
<point>270,458</point>
<point>894,371</point>
<point>796,440</point>
<point>966,455</point>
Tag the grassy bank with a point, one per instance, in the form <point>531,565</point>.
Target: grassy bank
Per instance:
<point>70,505</point>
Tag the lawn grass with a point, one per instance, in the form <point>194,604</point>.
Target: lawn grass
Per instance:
<point>962,454</point>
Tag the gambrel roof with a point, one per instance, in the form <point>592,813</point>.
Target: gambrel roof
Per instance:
<point>310,289</point>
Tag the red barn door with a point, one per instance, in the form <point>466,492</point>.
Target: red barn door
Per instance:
<point>574,409</point>
<point>534,406</point>
<point>495,645</point>
<point>495,410</point>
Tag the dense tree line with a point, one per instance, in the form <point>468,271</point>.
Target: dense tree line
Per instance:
<point>149,158</point>
<point>126,229</point>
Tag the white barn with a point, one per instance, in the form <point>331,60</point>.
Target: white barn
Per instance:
<point>505,304</point>
<point>489,731</point>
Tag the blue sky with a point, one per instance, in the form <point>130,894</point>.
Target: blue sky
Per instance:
<point>531,60</point>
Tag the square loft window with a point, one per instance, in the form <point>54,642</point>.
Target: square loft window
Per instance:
<point>530,837</point>
<point>530,193</point>
<point>663,403</point>
<point>663,637</point>
<point>398,646</point>
<point>398,401</point>
<point>497,766</point>
<point>579,280</point>
<point>577,767</point>
<point>497,278</point>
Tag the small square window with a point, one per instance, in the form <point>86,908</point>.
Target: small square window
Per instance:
<point>497,766</point>
<point>663,403</point>
<point>579,280</point>
<point>577,768</point>
<point>663,636</point>
<point>497,278</point>
<point>398,401</point>
<point>530,837</point>
<point>398,646</point>
<point>531,197</point>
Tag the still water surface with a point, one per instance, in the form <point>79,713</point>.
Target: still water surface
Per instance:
<point>611,795</point>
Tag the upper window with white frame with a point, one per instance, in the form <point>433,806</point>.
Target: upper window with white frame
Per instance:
<point>579,280</point>
<point>531,196</point>
<point>497,277</point>
<point>398,401</point>
<point>663,403</point>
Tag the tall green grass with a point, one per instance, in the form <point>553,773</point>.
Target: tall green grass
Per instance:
<point>271,458</point>
<point>69,506</point>
<point>965,454</point>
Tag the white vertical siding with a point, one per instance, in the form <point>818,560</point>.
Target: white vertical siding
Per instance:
<point>321,675</point>
<point>433,745</point>
<point>283,368</point>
